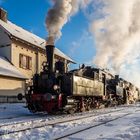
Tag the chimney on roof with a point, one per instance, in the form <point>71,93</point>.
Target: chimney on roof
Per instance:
<point>3,15</point>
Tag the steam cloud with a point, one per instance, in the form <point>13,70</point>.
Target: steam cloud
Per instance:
<point>60,14</point>
<point>116,28</point>
<point>115,25</point>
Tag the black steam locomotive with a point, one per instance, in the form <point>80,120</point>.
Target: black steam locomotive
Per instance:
<point>78,90</point>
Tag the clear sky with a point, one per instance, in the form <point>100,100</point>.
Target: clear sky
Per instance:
<point>76,41</point>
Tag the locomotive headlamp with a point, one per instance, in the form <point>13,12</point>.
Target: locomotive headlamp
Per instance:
<point>55,87</point>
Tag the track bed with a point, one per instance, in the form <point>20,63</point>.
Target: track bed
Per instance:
<point>61,126</point>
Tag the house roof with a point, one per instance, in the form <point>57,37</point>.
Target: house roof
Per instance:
<point>7,69</point>
<point>29,37</point>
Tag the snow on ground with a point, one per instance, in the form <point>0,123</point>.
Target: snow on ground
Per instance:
<point>13,110</point>
<point>127,127</point>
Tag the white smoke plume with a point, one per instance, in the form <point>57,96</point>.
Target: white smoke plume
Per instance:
<point>60,14</point>
<point>115,24</point>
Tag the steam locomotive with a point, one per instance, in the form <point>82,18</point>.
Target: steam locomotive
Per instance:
<point>55,90</point>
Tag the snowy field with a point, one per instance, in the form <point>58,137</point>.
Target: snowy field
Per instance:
<point>120,123</point>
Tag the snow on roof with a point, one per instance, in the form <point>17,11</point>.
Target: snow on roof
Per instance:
<point>7,69</point>
<point>27,36</point>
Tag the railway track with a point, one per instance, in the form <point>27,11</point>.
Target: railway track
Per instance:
<point>39,115</point>
<point>43,123</point>
<point>45,116</point>
<point>89,127</point>
<point>92,126</point>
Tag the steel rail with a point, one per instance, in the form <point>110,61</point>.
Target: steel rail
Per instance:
<point>49,123</point>
<point>90,127</point>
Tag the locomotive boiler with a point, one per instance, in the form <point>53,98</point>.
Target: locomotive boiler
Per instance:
<point>55,90</point>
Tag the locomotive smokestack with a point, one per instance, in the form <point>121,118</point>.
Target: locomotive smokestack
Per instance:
<point>50,53</point>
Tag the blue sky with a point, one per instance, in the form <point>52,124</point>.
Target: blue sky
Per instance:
<point>76,41</point>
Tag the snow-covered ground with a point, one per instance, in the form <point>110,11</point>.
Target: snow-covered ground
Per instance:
<point>120,123</point>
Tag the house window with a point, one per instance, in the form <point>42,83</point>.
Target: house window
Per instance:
<point>25,62</point>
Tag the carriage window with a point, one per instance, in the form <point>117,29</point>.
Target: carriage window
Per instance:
<point>25,62</point>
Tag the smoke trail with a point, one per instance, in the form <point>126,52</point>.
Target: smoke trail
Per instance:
<point>60,13</point>
<point>116,28</point>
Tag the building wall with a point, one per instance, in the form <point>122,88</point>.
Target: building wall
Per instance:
<point>11,86</point>
<point>21,48</point>
<point>38,57</point>
<point>18,47</point>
